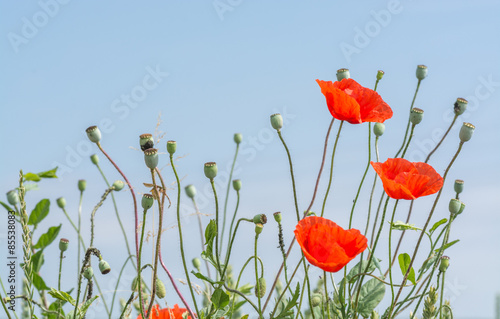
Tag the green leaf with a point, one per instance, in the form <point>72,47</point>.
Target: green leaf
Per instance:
<point>7,207</point>
<point>428,263</point>
<point>399,225</point>
<point>54,307</point>
<point>61,295</point>
<point>48,174</point>
<point>38,282</point>
<point>47,238</point>
<point>32,177</point>
<point>83,309</point>
<point>31,187</point>
<point>37,260</point>
<point>359,268</point>
<point>437,224</point>
<point>448,245</point>
<point>40,212</point>
<point>404,264</point>
<point>203,277</point>
<point>246,289</point>
<point>220,299</point>
<point>370,296</point>
<point>287,310</point>
<point>244,317</point>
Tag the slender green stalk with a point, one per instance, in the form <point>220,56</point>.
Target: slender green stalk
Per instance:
<point>80,242</point>
<point>118,281</point>
<point>408,124</point>
<point>227,193</point>
<point>242,295</point>
<point>202,237</point>
<point>61,256</point>
<point>230,246</point>
<point>129,301</point>
<point>291,173</point>
<point>409,140</point>
<point>401,236</point>
<point>235,212</point>
<point>257,283</point>
<point>331,169</point>
<point>239,277</point>
<point>5,293</point>
<point>139,271</point>
<point>442,139</point>
<point>372,191</point>
<point>442,296</point>
<point>44,309</point>
<point>92,215</point>
<point>286,287</point>
<point>217,232</point>
<point>5,308</point>
<point>326,295</point>
<point>302,297</point>
<point>75,228</point>
<point>390,252</point>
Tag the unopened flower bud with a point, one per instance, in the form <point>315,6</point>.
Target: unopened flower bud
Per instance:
<point>258,228</point>
<point>311,214</point>
<point>151,157</point>
<point>462,207</point>
<point>416,115</point>
<point>237,185</point>
<point>454,206</point>
<point>261,291</point>
<point>237,138</point>
<point>316,300</point>
<point>135,284</point>
<point>82,184</point>
<point>466,132</point>
<point>93,134</point>
<point>146,141</point>
<point>260,218</point>
<point>196,263</point>
<point>380,74</point>
<point>63,244</point>
<point>161,292</point>
<point>88,273</point>
<point>445,263</point>
<point>94,159</point>
<point>13,197</point>
<point>379,129</point>
<point>210,170</point>
<point>277,121</point>
<point>190,191</point>
<point>460,106</point>
<point>147,201</point>
<point>277,217</point>
<point>421,72</point>
<point>171,147</point>
<point>104,267</point>
<point>375,315</point>
<point>459,186</point>
<point>61,202</point>
<point>118,185</point>
<point>343,74</point>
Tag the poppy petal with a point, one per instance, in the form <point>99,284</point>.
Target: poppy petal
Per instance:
<point>341,105</point>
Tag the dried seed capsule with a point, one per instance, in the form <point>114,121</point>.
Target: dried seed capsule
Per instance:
<point>146,141</point>
<point>277,217</point>
<point>466,132</point>
<point>460,106</point>
<point>260,218</point>
<point>416,115</point>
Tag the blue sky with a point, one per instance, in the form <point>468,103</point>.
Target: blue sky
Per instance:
<point>214,68</point>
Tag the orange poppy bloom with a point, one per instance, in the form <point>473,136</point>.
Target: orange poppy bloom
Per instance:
<point>348,101</point>
<point>403,179</point>
<point>327,245</point>
<point>166,313</point>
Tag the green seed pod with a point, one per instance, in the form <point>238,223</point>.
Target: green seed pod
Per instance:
<point>13,197</point>
<point>459,186</point>
<point>104,267</point>
<point>445,263</point>
<point>135,284</point>
<point>277,217</point>
<point>316,300</point>
<point>261,291</point>
<point>94,159</point>
<point>460,106</point>
<point>421,72</point>
<point>454,206</point>
<point>171,147</point>
<point>466,132</point>
<point>237,185</point>
<point>118,185</point>
<point>416,115</point>
<point>161,292</point>
<point>147,201</point>
<point>237,138</point>
<point>196,263</point>
<point>380,74</point>
<point>462,207</point>
<point>88,273</point>
<point>343,74</point>
<point>151,157</point>
<point>63,244</point>
<point>93,134</point>
<point>379,129</point>
<point>146,141</point>
<point>260,218</point>
<point>277,121</point>
<point>190,191</point>
<point>61,202</point>
<point>82,185</point>
<point>210,170</point>
<point>258,228</point>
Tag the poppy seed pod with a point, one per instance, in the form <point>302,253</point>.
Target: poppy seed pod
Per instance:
<point>82,184</point>
<point>421,72</point>
<point>161,292</point>
<point>190,191</point>
<point>210,170</point>
<point>151,157</point>
<point>445,263</point>
<point>460,106</point>
<point>277,217</point>
<point>171,147</point>
<point>61,202</point>
<point>260,218</point>
<point>277,121</point>
<point>237,138</point>
<point>237,185</point>
<point>146,141</point>
<point>454,206</point>
<point>63,244</point>
<point>261,291</point>
<point>104,267</point>
<point>13,197</point>
<point>462,207</point>
<point>94,159</point>
<point>466,132</point>
<point>118,185</point>
<point>379,129</point>
<point>380,74</point>
<point>93,134</point>
<point>416,115</point>
<point>258,228</point>
<point>196,263</point>
<point>343,74</point>
<point>135,284</point>
<point>88,273</point>
<point>147,201</point>
<point>316,299</point>
<point>459,186</point>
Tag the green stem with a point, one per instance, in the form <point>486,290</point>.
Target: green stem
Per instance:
<point>331,168</point>
<point>230,246</point>
<point>257,283</point>
<point>291,173</point>
<point>390,247</point>
<point>92,215</point>
<point>442,139</point>
<point>302,297</point>
<point>59,279</point>
<point>286,287</point>
<point>442,297</point>
<point>401,237</point>
<point>239,277</point>
<point>217,232</point>
<point>130,257</point>
<point>235,212</point>
<point>409,140</point>
<point>326,295</point>
<point>371,193</point>
<point>139,271</point>
<point>79,231</point>
<point>5,308</point>
<point>202,237</point>
<point>227,192</point>
<point>408,124</point>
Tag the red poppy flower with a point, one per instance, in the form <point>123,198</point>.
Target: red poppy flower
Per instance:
<point>348,101</point>
<point>406,180</point>
<point>166,313</point>
<point>327,245</point>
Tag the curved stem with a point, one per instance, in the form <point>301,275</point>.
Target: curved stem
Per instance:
<point>239,277</point>
<point>234,215</point>
<point>390,253</point>
<point>286,287</point>
<point>442,139</point>
<point>202,237</point>
<point>291,173</point>
<point>331,169</point>
<point>409,140</point>
<point>92,215</point>
<point>230,246</point>
<point>118,282</point>
<point>227,193</point>
<point>139,270</point>
<point>257,283</point>
<point>408,124</point>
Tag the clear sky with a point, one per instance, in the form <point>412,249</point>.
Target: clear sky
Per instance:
<point>214,68</point>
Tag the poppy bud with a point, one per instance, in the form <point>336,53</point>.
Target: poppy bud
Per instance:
<point>61,202</point>
<point>258,228</point>
<point>237,138</point>
<point>151,157</point>
<point>104,267</point>
<point>196,263</point>
<point>171,147</point>
<point>466,132</point>
<point>262,288</point>
<point>311,214</point>
<point>260,218</point>
<point>82,184</point>
<point>88,272</point>
<point>277,121</point>
<point>210,170</point>
<point>416,115</point>
<point>237,185</point>
<point>146,141</point>
<point>462,207</point>
<point>375,315</point>
<point>13,197</point>
<point>147,201</point>
<point>94,159</point>
<point>380,74</point>
<point>421,72</point>
<point>135,284</point>
<point>63,244</point>
<point>190,191</point>
<point>277,217</point>
<point>316,300</point>
<point>118,185</point>
<point>93,134</point>
<point>454,206</point>
<point>460,106</point>
<point>343,74</point>
<point>445,263</point>
<point>379,129</point>
<point>161,292</point>
<point>459,186</point>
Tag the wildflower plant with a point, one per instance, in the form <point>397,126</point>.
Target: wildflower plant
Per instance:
<point>358,268</point>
